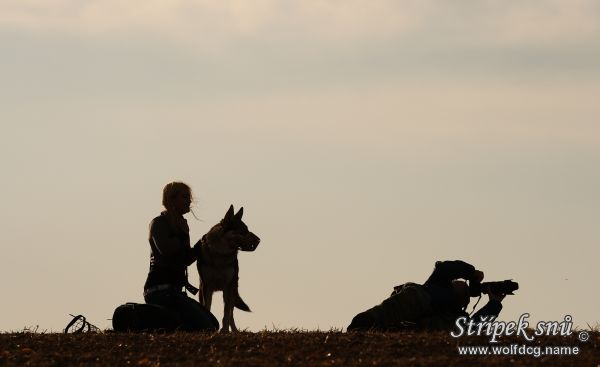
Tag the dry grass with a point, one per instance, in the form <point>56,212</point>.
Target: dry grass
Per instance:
<point>271,348</point>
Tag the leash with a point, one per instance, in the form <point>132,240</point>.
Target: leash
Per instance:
<point>80,325</point>
<point>189,287</point>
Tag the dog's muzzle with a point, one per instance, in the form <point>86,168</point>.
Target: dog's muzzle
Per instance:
<point>251,243</point>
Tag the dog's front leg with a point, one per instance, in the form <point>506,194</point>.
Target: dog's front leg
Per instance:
<point>228,301</point>
<point>207,297</point>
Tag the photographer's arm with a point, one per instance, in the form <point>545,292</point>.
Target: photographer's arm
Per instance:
<point>492,308</point>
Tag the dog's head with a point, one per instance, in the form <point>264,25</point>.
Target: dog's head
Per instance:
<point>232,234</point>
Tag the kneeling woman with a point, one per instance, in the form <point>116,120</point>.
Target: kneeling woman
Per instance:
<point>171,255</point>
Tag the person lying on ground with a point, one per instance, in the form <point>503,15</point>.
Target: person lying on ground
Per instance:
<point>433,305</point>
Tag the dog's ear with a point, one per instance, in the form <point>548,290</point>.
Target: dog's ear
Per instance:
<point>239,214</point>
<point>228,215</point>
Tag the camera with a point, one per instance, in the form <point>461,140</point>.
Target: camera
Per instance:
<point>502,287</point>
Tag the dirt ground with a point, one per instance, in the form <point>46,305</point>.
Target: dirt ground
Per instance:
<point>274,348</point>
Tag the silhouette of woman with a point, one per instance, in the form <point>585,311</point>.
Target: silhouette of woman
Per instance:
<point>170,256</point>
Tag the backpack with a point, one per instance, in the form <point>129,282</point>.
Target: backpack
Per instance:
<point>144,317</point>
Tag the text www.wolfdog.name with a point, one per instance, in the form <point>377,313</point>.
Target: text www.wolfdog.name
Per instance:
<point>518,350</point>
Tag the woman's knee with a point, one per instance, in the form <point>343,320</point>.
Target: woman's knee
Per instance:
<point>195,316</point>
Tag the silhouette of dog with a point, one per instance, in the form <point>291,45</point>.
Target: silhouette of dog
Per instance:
<point>218,264</point>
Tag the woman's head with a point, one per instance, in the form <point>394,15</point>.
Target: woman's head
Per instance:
<point>177,197</point>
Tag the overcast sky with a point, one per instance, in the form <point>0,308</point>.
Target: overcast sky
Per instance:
<point>365,140</point>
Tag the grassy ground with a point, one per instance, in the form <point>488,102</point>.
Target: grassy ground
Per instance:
<point>269,348</point>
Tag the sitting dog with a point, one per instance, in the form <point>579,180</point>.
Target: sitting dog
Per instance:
<point>218,263</point>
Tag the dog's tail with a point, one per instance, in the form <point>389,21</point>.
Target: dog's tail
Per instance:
<point>239,303</point>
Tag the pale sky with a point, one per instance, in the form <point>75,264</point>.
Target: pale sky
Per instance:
<point>365,140</point>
